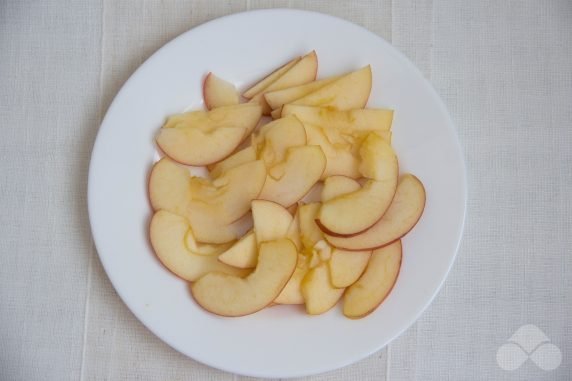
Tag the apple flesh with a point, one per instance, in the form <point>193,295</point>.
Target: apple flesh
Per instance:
<point>276,99</point>
<point>290,180</point>
<point>269,79</point>
<point>169,187</point>
<point>167,233</point>
<point>275,138</point>
<point>271,220</point>
<point>291,294</point>
<point>364,296</point>
<point>228,295</point>
<point>318,292</point>
<point>310,233</point>
<point>217,92</point>
<point>355,212</point>
<point>402,215</point>
<point>350,91</point>
<point>335,186</point>
<point>243,156</point>
<point>347,266</point>
<point>243,254</point>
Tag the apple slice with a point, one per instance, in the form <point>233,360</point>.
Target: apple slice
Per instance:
<point>276,114</point>
<point>271,220</point>
<point>167,234</point>
<point>217,92</point>
<point>274,139</point>
<point>405,210</point>
<point>243,156</point>
<point>278,98</point>
<point>345,120</point>
<point>291,294</point>
<point>169,187</point>
<point>302,72</point>
<point>192,146</point>
<point>228,295</point>
<point>318,292</point>
<point>335,186</point>
<point>340,159</point>
<point>245,116</point>
<point>347,266</point>
<point>350,91</point>
<point>310,233</point>
<point>200,248</point>
<point>243,254</point>
<point>293,233</point>
<point>290,180</point>
<point>376,282</point>
<point>355,212</point>
<point>269,79</point>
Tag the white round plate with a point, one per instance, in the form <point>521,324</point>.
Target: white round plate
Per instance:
<point>280,341</point>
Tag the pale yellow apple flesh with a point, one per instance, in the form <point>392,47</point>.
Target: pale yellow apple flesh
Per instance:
<point>291,294</point>
<point>200,248</point>
<point>169,187</point>
<point>275,138</point>
<point>318,292</point>
<point>347,266</point>
<point>302,72</point>
<point>293,233</point>
<point>217,92</point>
<point>301,169</point>
<point>243,156</point>
<point>167,233</point>
<point>345,120</point>
<point>335,186</point>
<point>350,91</point>
<point>269,79</point>
<point>402,215</point>
<point>310,233</point>
<point>228,295</point>
<point>271,220</point>
<point>277,99</point>
<point>243,254</point>
<point>371,289</point>
<point>355,212</point>
<point>340,159</point>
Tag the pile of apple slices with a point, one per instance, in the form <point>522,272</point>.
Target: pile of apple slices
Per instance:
<point>247,235</point>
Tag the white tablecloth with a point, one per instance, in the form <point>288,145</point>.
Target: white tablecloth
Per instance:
<point>504,69</point>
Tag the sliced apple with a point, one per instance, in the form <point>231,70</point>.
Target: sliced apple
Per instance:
<point>355,212</point>
<point>243,156</point>
<point>302,72</point>
<point>217,92</point>
<point>310,233</point>
<point>200,248</point>
<point>167,234</point>
<point>271,220</point>
<point>169,187</point>
<point>243,254</point>
<point>348,92</point>
<point>192,146</point>
<point>376,282</point>
<point>347,266</point>
<point>340,159</point>
<point>293,233</point>
<point>228,295</point>
<point>301,169</point>
<point>345,120</point>
<point>291,294</point>
<point>275,138</point>
<point>402,215</point>
<point>335,186</point>
<point>269,79</point>
<point>275,114</point>
<point>245,116</point>
<point>278,98</point>
<point>318,292</point>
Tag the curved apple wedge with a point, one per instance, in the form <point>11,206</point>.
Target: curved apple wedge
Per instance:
<point>402,215</point>
<point>355,212</point>
<point>347,266</point>
<point>271,220</point>
<point>335,186</point>
<point>243,254</point>
<point>217,92</point>
<point>292,294</point>
<point>169,187</point>
<point>276,99</point>
<point>168,234</point>
<point>319,294</point>
<point>243,156</point>
<point>290,180</point>
<point>371,289</point>
<point>270,78</point>
<point>275,138</point>
<point>228,295</point>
